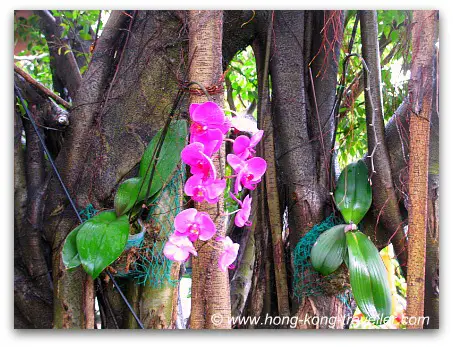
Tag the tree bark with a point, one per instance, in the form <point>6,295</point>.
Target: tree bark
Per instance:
<point>424,34</point>
<point>385,203</point>
<point>211,307</point>
<point>270,185</point>
<point>63,63</point>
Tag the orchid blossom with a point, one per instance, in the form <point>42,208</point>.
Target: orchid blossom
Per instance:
<point>195,225</point>
<point>209,124</point>
<point>229,253</point>
<point>244,146</point>
<point>248,172</point>
<point>178,248</point>
<point>201,190</point>
<point>243,214</point>
<point>200,164</point>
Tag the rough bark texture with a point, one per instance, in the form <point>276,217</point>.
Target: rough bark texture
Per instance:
<point>211,307</point>
<point>385,203</point>
<point>62,60</point>
<point>270,185</point>
<point>303,134</point>
<point>424,34</point>
<point>242,280</point>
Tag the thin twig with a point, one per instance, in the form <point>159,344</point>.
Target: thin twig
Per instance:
<point>41,88</point>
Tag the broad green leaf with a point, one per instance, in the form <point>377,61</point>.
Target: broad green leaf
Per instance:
<point>128,194</point>
<point>353,193</point>
<point>70,254</point>
<point>169,156</point>
<point>329,250</point>
<point>101,241</point>
<point>131,190</point>
<point>368,277</point>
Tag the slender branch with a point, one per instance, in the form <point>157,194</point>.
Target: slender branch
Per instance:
<point>41,87</point>
<point>64,62</point>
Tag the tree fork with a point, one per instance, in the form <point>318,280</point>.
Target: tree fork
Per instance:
<point>424,33</point>
<point>210,286</point>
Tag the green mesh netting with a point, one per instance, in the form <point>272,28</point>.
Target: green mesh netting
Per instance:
<point>144,260</point>
<point>88,212</point>
<point>306,281</point>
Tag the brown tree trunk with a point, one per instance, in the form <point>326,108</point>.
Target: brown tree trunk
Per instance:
<point>211,308</point>
<point>385,203</point>
<point>424,34</point>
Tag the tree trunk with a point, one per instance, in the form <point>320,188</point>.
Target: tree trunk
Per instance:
<point>211,307</point>
<point>385,204</point>
<point>424,34</point>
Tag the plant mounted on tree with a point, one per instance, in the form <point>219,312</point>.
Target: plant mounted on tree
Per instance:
<point>99,241</point>
<point>344,242</point>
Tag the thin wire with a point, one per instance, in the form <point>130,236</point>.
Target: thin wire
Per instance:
<point>52,163</point>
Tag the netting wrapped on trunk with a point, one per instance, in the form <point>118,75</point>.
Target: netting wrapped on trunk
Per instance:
<point>143,259</point>
<point>307,281</point>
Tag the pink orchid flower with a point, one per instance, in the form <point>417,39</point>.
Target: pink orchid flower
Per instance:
<point>201,190</point>
<point>178,248</point>
<point>195,225</point>
<point>199,162</point>
<point>211,139</point>
<point>229,254</point>
<point>248,172</point>
<point>208,115</point>
<point>243,214</point>
<point>209,124</point>
<point>244,146</point>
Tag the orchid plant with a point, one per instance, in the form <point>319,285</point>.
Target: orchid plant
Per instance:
<point>208,130</point>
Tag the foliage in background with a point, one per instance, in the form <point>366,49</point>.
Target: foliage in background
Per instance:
<point>243,79</point>
<point>77,24</point>
<point>240,93</point>
<point>35,59</point>
<point>394,30</point>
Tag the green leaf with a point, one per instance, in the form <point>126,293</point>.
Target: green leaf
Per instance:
<point>85,36</point>
<point>329,250</point>
<point>394,35</point>
<point>353,193</point>
<point>131,190</point>
<point>101,241</point>
<point>169,156</point>
<point>368,277</point>
<point>128,193</point>
<point>70,254</point>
